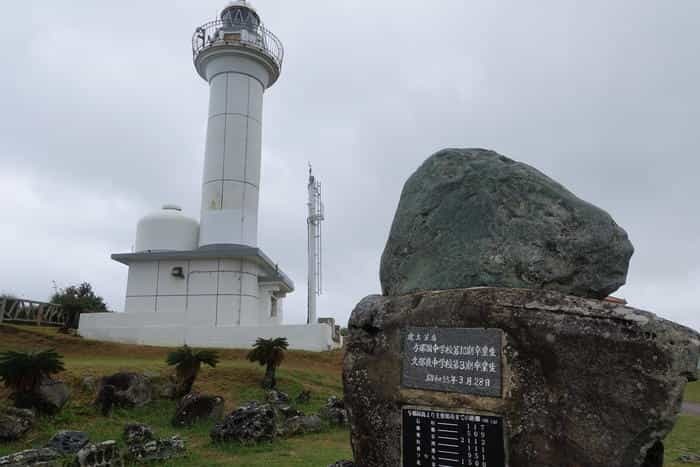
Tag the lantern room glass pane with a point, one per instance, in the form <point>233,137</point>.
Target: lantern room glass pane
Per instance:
<point>240,17</point>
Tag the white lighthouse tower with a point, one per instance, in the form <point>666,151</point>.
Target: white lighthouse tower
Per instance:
<point>208,283</point>
<point>239,59</point>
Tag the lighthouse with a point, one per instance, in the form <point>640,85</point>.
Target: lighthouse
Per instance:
<point>208,283</point>
<point>239,59</point>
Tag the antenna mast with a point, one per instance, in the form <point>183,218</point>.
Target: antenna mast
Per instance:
<point>315,244</point>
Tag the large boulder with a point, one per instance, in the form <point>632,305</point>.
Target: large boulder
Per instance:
<point>15,423</point>
<point>472,217</point>
<point>585,382</point>
<point>196,407</point>
<point>124,390</point>
<point>52,395</point>
<point>249,424</point>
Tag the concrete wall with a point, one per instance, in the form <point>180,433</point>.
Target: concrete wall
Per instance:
<point>266,294</point>
<point>174,329</point>
<point>212,293</point>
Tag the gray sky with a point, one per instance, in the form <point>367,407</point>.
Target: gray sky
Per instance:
<point>103,119</point>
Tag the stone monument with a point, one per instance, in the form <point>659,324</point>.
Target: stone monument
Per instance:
<point>493,345</point>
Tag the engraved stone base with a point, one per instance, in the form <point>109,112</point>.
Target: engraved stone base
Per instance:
<point>584,382</point>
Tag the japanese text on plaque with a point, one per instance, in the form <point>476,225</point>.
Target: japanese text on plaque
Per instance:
<point>466,360</point>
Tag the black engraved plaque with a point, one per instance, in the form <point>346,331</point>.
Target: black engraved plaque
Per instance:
<point>465,360</point>
<point>451,439</point>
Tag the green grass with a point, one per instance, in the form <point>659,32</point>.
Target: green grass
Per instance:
<point>692,392</point>
<point>309,450</point>
<point>235,379</point>
<point>685,439</point>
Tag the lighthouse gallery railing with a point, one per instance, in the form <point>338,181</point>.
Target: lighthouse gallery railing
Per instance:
<point>218,32</point>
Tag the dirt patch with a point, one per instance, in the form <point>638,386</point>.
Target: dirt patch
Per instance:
<point>691,408</point>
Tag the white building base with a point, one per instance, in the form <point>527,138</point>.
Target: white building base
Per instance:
<point>169,330</point>
<point>223,296</point>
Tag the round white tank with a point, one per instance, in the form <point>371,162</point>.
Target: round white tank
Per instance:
<point>167,230</point>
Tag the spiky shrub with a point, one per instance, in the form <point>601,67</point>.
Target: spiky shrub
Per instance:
<point>270,354</point>
<point>23,373</point>
<point>187,362</point>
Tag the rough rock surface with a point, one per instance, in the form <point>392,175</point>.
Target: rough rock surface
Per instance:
<point>68,442</point>
<point>334,411</point>
<point>195,407</point>
<point>585,382</point>
<point>124,390</point>
<point>158,450</point>
<point>686,459</point>
<point>273,396</point>
<point>166,389</point>
<point>88,383</point>
<point>52,395</point>
<point>301,424</point>
<point>43,457</point>
<point>288,411</point>
<point>137,433</point>
<point>248,424</point>
<point>471,217</point>
<point>15,423</point>
<point>106,454</point>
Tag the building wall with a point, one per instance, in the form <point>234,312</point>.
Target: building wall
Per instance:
<point>212,293</point>
<point>169,330</point>
<point>267,316</point>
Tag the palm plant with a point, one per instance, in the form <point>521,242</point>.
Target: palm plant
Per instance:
<point>188,362</point>
<point>24,372</point>
<point>269,353</point>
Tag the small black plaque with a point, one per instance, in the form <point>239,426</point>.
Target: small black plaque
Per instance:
<point>465,360</point>
<point>451,439</point>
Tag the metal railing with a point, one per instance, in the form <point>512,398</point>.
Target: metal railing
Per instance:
<point>218,33</point>
<point>19,310</point>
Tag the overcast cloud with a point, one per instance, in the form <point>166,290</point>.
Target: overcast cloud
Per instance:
<point>103,120</point>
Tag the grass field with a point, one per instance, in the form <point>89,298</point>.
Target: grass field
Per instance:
<point>237,381</point>
<point>692,393</point>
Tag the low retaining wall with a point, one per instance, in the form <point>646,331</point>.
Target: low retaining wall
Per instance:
<point>169,329</point>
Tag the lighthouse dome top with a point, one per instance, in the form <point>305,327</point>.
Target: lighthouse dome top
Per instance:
<point>167,230</point>
<point>239,7</point>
